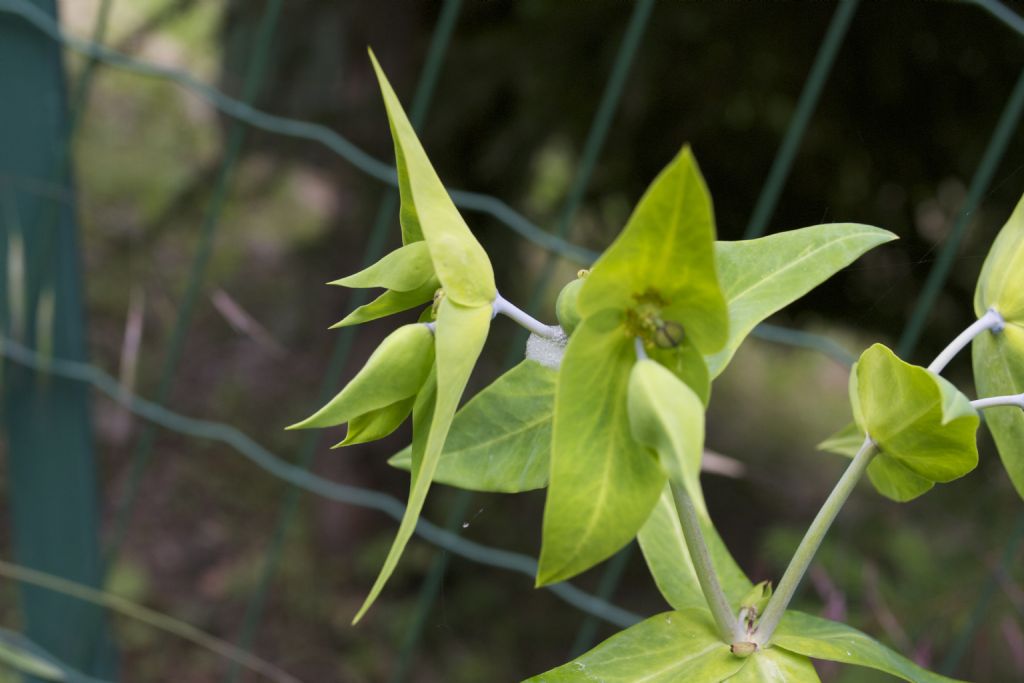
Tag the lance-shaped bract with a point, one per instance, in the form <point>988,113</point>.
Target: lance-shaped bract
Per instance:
<point>429,214</point>
<point>376,424</point>
<point>762,276</point>
<point>998,354</point>
<point>411,371</point>
<point>461,332</point>
<point>463,313</point>
<point>403,270</point>
<point>406,273</point>
<point>394,373</point>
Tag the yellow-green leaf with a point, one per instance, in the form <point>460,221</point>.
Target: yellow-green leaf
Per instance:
<point>887,475</point>
<point>666,416</point>
<point>461,332</point>
<point>501,439</point>
<point>829,640</point>
<point>461,264</point>
<point>377,424</point>
<point>914,416</point>
<point>394,372</point>
<point>667,248</point>
<point>672,647</point>
<point>603,484</point>
<point>390,302</point>
<point>762,276</point>
<point>403,270</point>
<point>775,665</point>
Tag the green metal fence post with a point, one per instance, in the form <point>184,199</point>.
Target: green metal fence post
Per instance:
<point>46,420</point>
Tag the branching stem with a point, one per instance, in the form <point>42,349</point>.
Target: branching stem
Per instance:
<point>809,545</point>
<point>993,401</point>
<point>503,306</point>
<point>990,321</point>
<point>706,576</point>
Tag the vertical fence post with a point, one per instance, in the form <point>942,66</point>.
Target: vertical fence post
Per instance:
<point>46,420</point>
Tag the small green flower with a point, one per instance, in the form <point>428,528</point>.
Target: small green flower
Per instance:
<point>655,286</point>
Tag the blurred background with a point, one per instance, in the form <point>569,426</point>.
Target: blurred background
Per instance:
<point>183,252</point>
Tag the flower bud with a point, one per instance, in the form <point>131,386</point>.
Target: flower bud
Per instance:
<point>565,305</point>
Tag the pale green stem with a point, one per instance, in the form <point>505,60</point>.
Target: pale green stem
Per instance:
<point>507,308</point>
<point>990,321</point>
<point>794,573</point>
<point>706,575</point>
<point>995,401</point>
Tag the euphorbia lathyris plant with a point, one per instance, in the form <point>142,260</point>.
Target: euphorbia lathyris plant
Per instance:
<point>607,410</point>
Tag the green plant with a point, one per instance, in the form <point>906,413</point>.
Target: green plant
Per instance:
<point>607,410</point>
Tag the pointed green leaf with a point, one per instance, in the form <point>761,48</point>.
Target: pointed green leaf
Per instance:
<point>887,475</point>
<point>998,371</point>
<point>388,303</point>
<point>461,332</point>
<point>760,277</point>
<point>501,439</point>
<point>666,416</point>
<point>668,648</point>
<point>1001,282</point>
<point>602,484</point>
<point>403,270</point>
<point>664,548</point>
<point>824,639</point>
<point>667,248</point>
<point>377,424</point>
<point>461,264</point>
<point>776,666</point>
<point>916,417</point>
<point>394,372</point>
